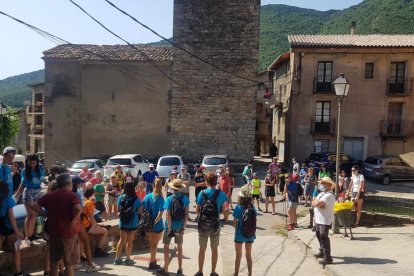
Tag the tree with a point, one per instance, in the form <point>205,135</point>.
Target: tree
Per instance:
<point>10,126</point>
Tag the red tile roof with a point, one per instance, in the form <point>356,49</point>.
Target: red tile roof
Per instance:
<point>357,41</point>
<point>112,52</point>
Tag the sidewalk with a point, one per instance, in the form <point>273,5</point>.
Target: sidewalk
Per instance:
<point>375,251</point>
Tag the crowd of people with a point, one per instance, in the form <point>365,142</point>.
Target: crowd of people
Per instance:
<point>77,207</point>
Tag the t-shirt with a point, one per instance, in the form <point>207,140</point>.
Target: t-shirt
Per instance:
<point>35,181</point>
<point>302,174</point>
<point>6,203</point>
<point>185,177</point>
<point>99,192</point>
<point>220,198</point>
<point>256,186</point>
<point>85,175</point>
<point>293,192</point>
<point>176,224</point>
<point>141,194</point>
<point>225,183</point>
<point>155,203</point>
<point>88,209</point>
<point>324,174</point>
<point>247,171</point>
<point>6,177</point>
<point>238,214</point>
<point>120,179</point>
<point>149,176</point>
<point>325,215</point>
<point>133,223</point>
<point>199,179</point>
<point>95,181</point>
<point>169,189</point>
<point>129,179</point>
<point>295,168</point>
<point>356,180</point>
<point>60,205</point>
<point>274,168</point>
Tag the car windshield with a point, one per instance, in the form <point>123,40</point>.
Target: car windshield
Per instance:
<point>213,161</point>
<point>314,157</point>
<point>119,161</point>
<point>373,161</point>
<point>79,165</point>
<point>170,161</point>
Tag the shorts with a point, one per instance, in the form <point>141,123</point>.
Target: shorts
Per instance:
<point>100,206</point>
<point>214,238</point>
<point>293,205</point>
<point>256,196</point>
<point>270,191</point>
<point>178,238</point>
<point>31,195</point>
<point>246,179</point>
<point>111,201</point>
<point>128,229</point>
<point>361,195</point>
<point>243,242</point>
<point>308,189</point>
<point>9,240</point>
<point>64,248</point>
<point>149,188</point>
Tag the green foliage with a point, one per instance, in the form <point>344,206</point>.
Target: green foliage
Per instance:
<point>14,90</point>
<point>10,125</point>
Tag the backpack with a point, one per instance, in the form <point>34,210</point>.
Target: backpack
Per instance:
<point>300,190</point>
<point>209,214</point>
<point>126,209</point>
<point>177,208</point>
<point>146,221</point>
<point>248,223</point>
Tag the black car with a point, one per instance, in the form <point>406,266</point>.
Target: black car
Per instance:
<point>328,159</point>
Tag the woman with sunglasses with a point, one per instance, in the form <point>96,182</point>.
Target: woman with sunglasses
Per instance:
<point>357,191</point>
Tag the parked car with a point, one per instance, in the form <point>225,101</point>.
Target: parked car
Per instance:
<point>212,162</point>
<point>92,164</point>
<point>135,162</point>
<point>19,159</point>
<point>166,164</point>
<point>328,159</point>
<point>387,168</point>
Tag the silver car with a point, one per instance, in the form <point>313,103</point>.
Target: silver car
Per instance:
<point>212,162</point>
<point>167,163</point>
<point>387,168</point>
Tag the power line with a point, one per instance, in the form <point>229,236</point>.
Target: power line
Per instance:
<point>178,46</point>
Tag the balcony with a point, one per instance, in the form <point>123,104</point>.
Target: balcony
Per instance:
<point>399,88</point>
<point>37,130</point>
<point>323,128</point>
<point>322,87</point>
<point>396,128</point>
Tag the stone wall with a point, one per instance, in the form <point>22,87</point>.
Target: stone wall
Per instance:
<point>213,112</point>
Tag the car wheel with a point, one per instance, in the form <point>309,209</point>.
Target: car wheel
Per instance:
<point>386,180</point>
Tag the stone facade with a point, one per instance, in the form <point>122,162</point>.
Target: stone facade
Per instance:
<point>213,112</point>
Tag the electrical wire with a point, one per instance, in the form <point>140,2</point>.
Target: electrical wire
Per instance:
<point>178,46</point>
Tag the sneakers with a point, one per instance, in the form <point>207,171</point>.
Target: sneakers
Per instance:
<point>199,274</point>
<point>153,266</point>
<point>213,274</point>
<point>325,261</point>
<point>78,266</point>
<point>319,255</point>
<point>161,272</point>
<point>99,253</point>
<point>180,272</point>
<point>129,262</point>
<point>93,268</point>
<point>118,262</point>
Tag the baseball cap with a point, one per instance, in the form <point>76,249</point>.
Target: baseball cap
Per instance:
<point>9,149</point>
<point>151,165</point>
<point>255,174</point>
<point>77,180</point>
<point>174,172</point>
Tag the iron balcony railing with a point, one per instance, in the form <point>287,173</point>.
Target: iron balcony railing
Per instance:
<point>322,87</point>
<point>327,128</point>
<point>399,86</point>
<point>396,128</point>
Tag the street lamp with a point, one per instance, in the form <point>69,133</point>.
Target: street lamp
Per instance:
<point>3,110</point>
<point>341,85</point>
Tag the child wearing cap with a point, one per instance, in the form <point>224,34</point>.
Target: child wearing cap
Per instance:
<point>245,202</point>
<point>256,185</point>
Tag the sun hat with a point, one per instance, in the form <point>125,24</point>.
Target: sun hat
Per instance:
<point>176,184</point>
<point>327,180</point>
<point>245,191</point>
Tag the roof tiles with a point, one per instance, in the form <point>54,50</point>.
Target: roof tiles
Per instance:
<point>357,41</point>
<point>110,52</point>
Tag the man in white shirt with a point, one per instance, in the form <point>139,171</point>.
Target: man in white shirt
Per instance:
<point>323,206</point>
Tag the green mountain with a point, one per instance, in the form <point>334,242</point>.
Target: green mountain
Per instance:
<point>14,90</point>
<point>277,21</point>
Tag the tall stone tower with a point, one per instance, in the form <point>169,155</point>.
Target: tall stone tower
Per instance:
<point>211,111</point>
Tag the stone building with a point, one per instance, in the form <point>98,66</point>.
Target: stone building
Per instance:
<point>212,111</point>
<point>35,117</point>
<point>377,115</point>
<point>106,100</point>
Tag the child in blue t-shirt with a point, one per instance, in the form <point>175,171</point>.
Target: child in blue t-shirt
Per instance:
<point>127,228</point>
<point>245,201</point>
<point>176,205</point>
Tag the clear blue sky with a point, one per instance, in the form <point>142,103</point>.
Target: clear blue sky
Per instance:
<point>21,48</point>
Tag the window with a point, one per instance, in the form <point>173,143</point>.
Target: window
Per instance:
<point>169,161</point>
<point>321,145</point>
<point>324,78</point>
<point>369,70</point>
<point>322,117</point>
<point>139,159</point>
<point>119,161</point>
<point>395,112</point>
<point>397,78</point>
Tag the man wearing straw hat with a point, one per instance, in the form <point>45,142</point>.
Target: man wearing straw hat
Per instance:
<point>177,217</point>
<point>323,206</point>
